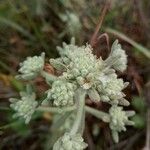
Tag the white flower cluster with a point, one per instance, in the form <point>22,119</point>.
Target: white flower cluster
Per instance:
<point>78,69</point>
<point>70,142</point>
<point>97,77</point>
<point>62,93</point>
<point>118,120</point>
<point>25,106</point>
<point>80,65</point>
<point>111,88</point>
<point>82,62</point>
<point>31,67</point>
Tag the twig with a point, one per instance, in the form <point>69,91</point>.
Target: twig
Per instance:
<point>94,37</point>
<point>107,39</point>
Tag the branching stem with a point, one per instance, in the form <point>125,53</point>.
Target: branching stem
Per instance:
<point>97,113</point>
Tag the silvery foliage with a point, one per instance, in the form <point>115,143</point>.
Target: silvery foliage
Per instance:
<point>31,67</point>
<point>78,69</point>
<point>70,142</point>
<point>25,106</point>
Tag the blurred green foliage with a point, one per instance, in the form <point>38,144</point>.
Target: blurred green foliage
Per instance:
<point>139,105</point>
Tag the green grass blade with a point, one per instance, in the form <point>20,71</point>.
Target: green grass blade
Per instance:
<point>139,47</point>
<point>15,26</point>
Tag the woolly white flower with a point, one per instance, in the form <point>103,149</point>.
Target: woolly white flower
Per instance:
<point>110,87</point>
<point>70,142</point>
<point>62,93</point>
<point>118,120</point>
<point>83,61</point>
<point>31,67</point>
<point>81,64</point>
<point>117,58</point>
<point>25,106</point>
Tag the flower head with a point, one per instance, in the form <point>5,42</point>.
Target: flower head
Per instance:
<point>62,93</point>
<point>70,142</point>
<point>110,87</point>
<point>118,120</point>
<point>25,106</point>
<point>31,67</point>
<point>81,65</point>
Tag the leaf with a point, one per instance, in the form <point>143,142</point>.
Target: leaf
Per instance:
<point>139,121</point>
<point>139,104</point>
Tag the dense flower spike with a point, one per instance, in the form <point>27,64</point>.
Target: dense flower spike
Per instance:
<point>70,142</point>
<point>25,106</point>
<point>119,119</point>
<point>31,67</point>
<point>62,93</point>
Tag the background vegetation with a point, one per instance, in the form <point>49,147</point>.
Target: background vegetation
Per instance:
<point>29,27</point>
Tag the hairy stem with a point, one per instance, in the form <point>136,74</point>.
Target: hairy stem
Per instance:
<point>97,113</point>
<point>56,109</point>
<point>80,98</point>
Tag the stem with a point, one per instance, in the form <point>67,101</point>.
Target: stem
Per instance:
<point>80,97</point>
<point>82,124</point>
<point>56,109</point>
<point>100,21</point>
<point>48,77</point>
<point>97,113</point>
